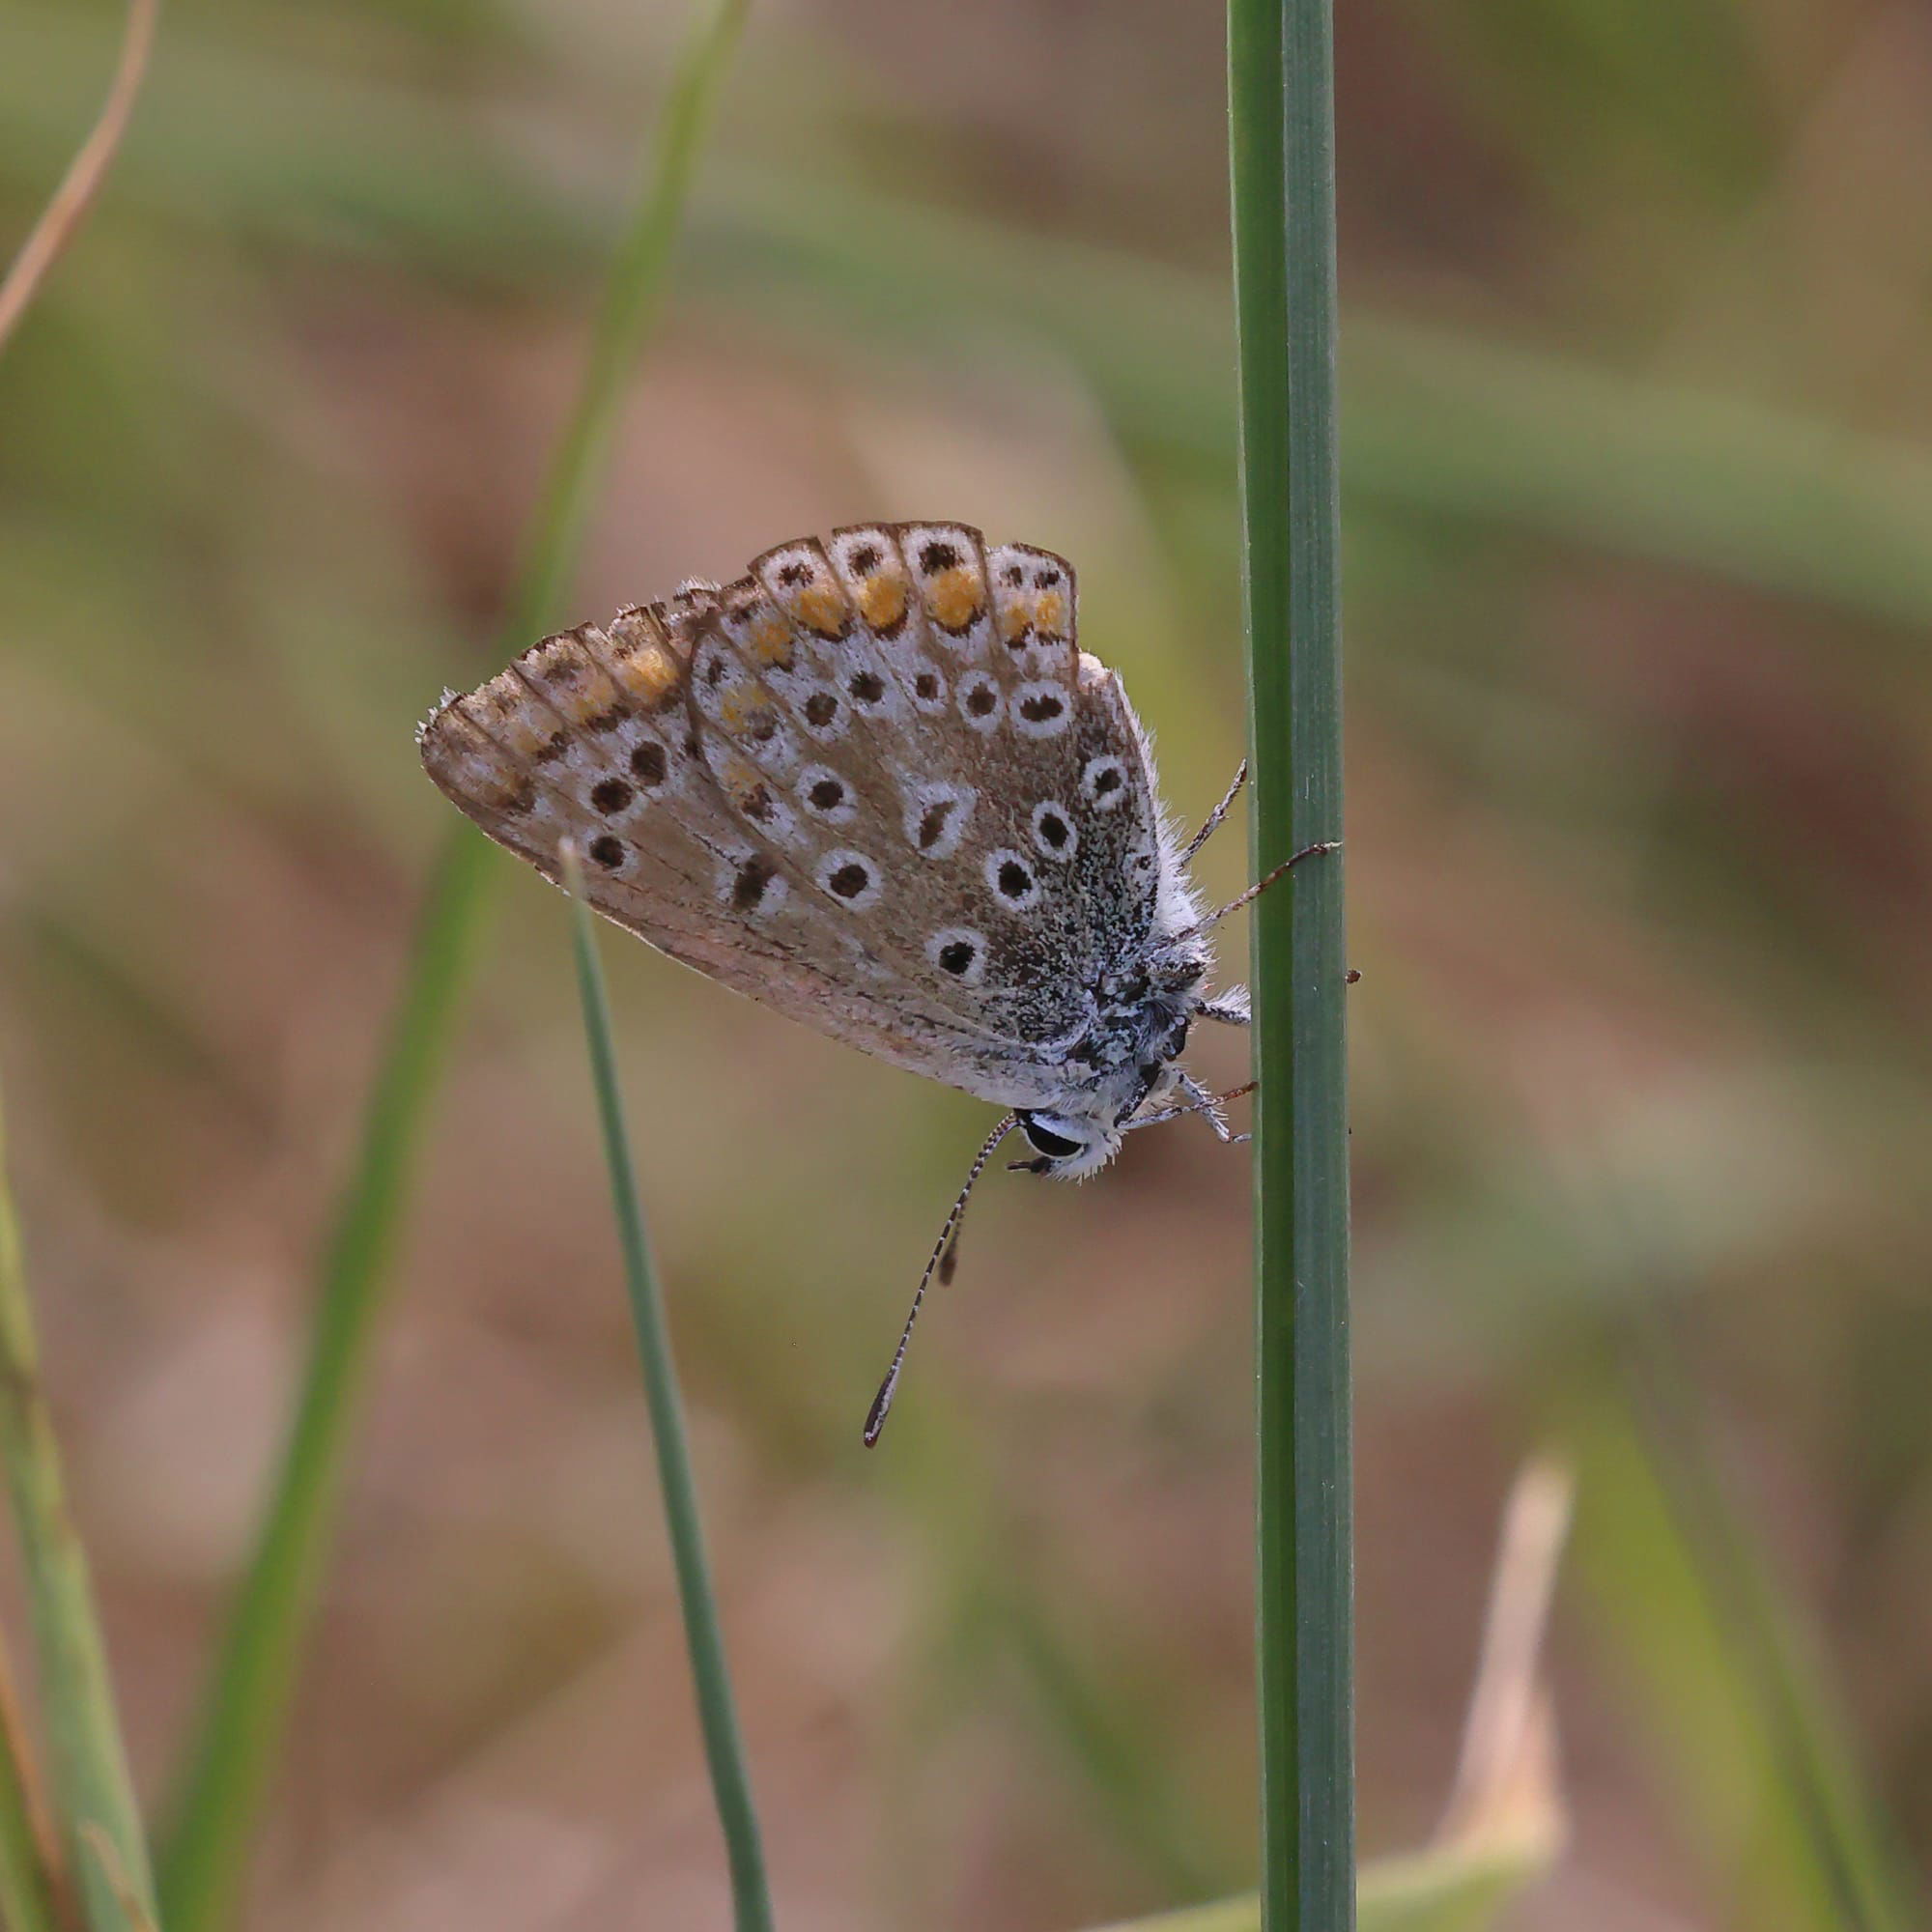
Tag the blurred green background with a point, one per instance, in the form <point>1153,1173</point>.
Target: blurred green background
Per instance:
<point>1638,421</point>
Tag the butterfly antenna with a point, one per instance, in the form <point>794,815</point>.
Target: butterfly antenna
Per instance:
<point>1215,816</point>
<point>941,1263</point>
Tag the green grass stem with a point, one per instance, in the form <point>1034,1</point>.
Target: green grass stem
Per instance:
<point>92,1789</point>
<point>28,1857</point>
<point>1450,1889</point>
<point>1280,90</point>
<point>724,1748</point>
<point>245,1712</point>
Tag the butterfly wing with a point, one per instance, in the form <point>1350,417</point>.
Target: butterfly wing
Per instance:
<point>873,784</point>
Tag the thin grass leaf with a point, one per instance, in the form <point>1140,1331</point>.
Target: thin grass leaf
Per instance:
<point>88,1764</point>
<point>1854,1846</point>
<point>246,1707</point>
<point>32,1894</point>
<point>723,1746</point>
<point>1280,86</point>
<point>1760,1757</point>
<point>48,239</point>
<point>99,1847</point>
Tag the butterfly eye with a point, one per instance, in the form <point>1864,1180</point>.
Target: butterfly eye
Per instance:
<point>1057,1147</point>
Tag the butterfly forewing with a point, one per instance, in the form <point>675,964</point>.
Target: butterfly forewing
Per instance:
<point>873,783</point>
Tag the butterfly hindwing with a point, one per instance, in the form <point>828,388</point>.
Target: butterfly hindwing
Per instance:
<point>873,783</point>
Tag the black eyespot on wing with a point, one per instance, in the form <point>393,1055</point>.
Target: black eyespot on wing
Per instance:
<point>611,796</point>
<point>1106,782</point>
<point>1054,829</point>
<point>866,686</point>
<point>759,805</point>
<point>1042,707</point>
<point>957,956</point>
<point>933,821</point>
<point>927,685</point>
<point>864,559</point>
<point>820,709</point>
<point>609,852</point>
<point>748,889</point>
<point>827,794</point>
<point>981,699</point>
<point>792,575</point>
<point>647,762</point>
<point>935,556</point>
<point>1015,881</point>
<point>849,880</point>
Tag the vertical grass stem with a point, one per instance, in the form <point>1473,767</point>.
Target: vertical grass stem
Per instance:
<point>724,1749</point>
<point>1282,155</point>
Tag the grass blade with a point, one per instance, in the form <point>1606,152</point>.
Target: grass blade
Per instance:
<point>1722,1654</point>
<point>1280,92</point>
<point>28,1860</point>
<point>92,1789</point>
<point>724,1749</point>
<point>63,214</point>
<point>245,1708</point>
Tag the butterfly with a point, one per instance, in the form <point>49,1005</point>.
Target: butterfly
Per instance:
<point>876,785</point>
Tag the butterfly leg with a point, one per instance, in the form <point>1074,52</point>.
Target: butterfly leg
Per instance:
<point>1215,816</point>
<point>1231,1008</point>
<point>1199,1101</point>
<point>1260,885</point>
<point>1209,1106</point>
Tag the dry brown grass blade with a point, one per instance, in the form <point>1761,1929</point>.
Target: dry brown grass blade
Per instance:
<point>1506,1789</point>
<point>63,215</point>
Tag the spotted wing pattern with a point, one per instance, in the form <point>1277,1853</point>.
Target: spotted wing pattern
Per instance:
<point>873,783</point>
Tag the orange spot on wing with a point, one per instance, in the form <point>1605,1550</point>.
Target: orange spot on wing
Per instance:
<point>769,640</point>
<point>649,675</point>
<point>1049,612</point>
<point>819,607</point>
<point>591,697</point>
<point>955,597</point>
<point>882,601</point>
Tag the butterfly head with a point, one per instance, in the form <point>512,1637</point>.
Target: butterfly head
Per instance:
<point>1068,1146</point>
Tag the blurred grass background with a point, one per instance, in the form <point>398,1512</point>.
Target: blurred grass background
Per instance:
<point>1639,535</point>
